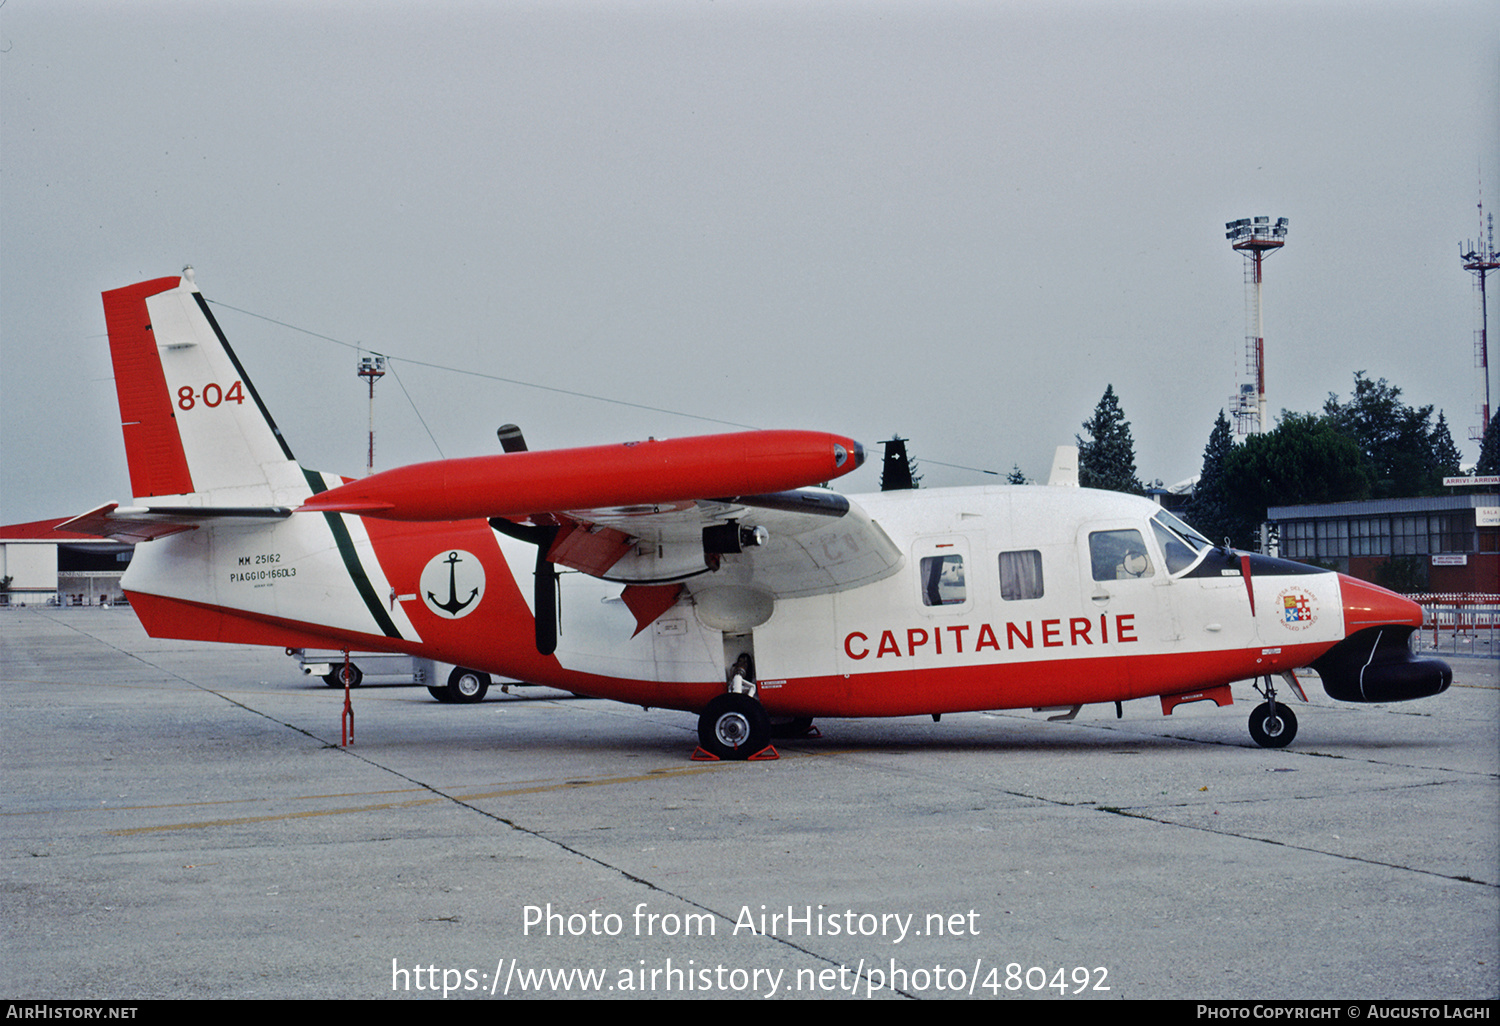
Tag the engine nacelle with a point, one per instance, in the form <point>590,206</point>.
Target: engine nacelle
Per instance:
<point>1377,665</point>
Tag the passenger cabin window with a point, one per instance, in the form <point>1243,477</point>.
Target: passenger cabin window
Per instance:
<point>943,580</point>
<point>1020,575</point>
<point>1119,555</point>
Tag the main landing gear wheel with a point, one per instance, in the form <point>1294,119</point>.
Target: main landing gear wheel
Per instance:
<point>734,727</point>
<point>464,686</point>
<point>340,671</point>
<point>1273,725</point>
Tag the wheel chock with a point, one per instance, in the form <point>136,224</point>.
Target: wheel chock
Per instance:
<point>766,754</point>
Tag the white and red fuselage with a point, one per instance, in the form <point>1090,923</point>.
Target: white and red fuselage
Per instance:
<point>889,604</point>
<point>876,650</point>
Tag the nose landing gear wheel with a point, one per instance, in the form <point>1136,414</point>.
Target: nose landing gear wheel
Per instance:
<point>734,727</point>
<point>1273,725</point>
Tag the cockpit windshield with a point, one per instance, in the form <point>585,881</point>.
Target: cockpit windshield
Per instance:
<point>1180,543</point>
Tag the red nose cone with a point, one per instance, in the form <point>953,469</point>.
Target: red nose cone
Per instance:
<point>1369,605</point>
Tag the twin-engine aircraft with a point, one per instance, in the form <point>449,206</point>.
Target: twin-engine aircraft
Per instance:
<point>704,574</point>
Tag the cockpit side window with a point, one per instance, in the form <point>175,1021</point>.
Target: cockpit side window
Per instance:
<point>1179,543</point>
<point>1179,556</point>
<point>1119,555</point>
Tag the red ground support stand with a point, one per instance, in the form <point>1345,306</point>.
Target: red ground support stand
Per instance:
<point>346,722</point>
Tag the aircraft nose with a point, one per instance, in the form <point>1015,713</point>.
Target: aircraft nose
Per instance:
<point>1369,605</point>
<point>1374,662</point>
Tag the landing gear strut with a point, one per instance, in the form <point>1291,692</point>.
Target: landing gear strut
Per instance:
<point>1272,724</point>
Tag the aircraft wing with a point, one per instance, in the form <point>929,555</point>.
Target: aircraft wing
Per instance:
<point>789,544</point>
<point>655,512</point>
<point>654,516</point>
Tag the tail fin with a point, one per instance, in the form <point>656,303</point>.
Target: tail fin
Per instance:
<point>193,422</point>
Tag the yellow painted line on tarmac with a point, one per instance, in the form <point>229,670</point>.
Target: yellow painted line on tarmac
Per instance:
<point>567,785</point>
<point>217,801</point>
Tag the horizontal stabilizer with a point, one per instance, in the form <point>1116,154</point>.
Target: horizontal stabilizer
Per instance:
<point>143,523</point>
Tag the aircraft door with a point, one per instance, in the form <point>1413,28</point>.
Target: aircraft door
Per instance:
<point>1126,586</point>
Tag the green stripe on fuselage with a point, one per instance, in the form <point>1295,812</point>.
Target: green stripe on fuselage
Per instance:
<point>357,573</point>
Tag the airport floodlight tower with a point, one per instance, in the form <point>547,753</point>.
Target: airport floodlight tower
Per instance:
<point>1255,237</point>
<point>1480,258</point>
<point>372,369</point>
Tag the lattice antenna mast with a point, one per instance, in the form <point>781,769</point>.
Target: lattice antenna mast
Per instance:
<point>1479,259</point>
<point>372,369</point>
<point>1256,238</point>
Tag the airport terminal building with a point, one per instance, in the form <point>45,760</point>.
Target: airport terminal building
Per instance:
<point>1444,543</point>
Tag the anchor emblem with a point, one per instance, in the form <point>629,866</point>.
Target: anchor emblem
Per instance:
<point>456,562</point>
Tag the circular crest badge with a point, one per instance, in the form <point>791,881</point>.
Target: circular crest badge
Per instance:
<point>1296,609</point>
<point>452,584</point>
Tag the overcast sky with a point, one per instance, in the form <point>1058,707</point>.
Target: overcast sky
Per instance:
<point>955,221</point>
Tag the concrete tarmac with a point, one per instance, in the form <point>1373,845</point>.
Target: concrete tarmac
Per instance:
<point>179,820</point>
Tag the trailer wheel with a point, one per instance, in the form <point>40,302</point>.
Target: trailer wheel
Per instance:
<point>336,678</point>
<point>465,685</point>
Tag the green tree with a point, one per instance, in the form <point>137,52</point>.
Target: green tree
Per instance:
<point>1448,462</point>
<point>1306,459</point>
<point>1394,439</point>
<point>1208,511</point>
<point>1489,449</point>
<point>1016,476</point>
<point>1107,459</point>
